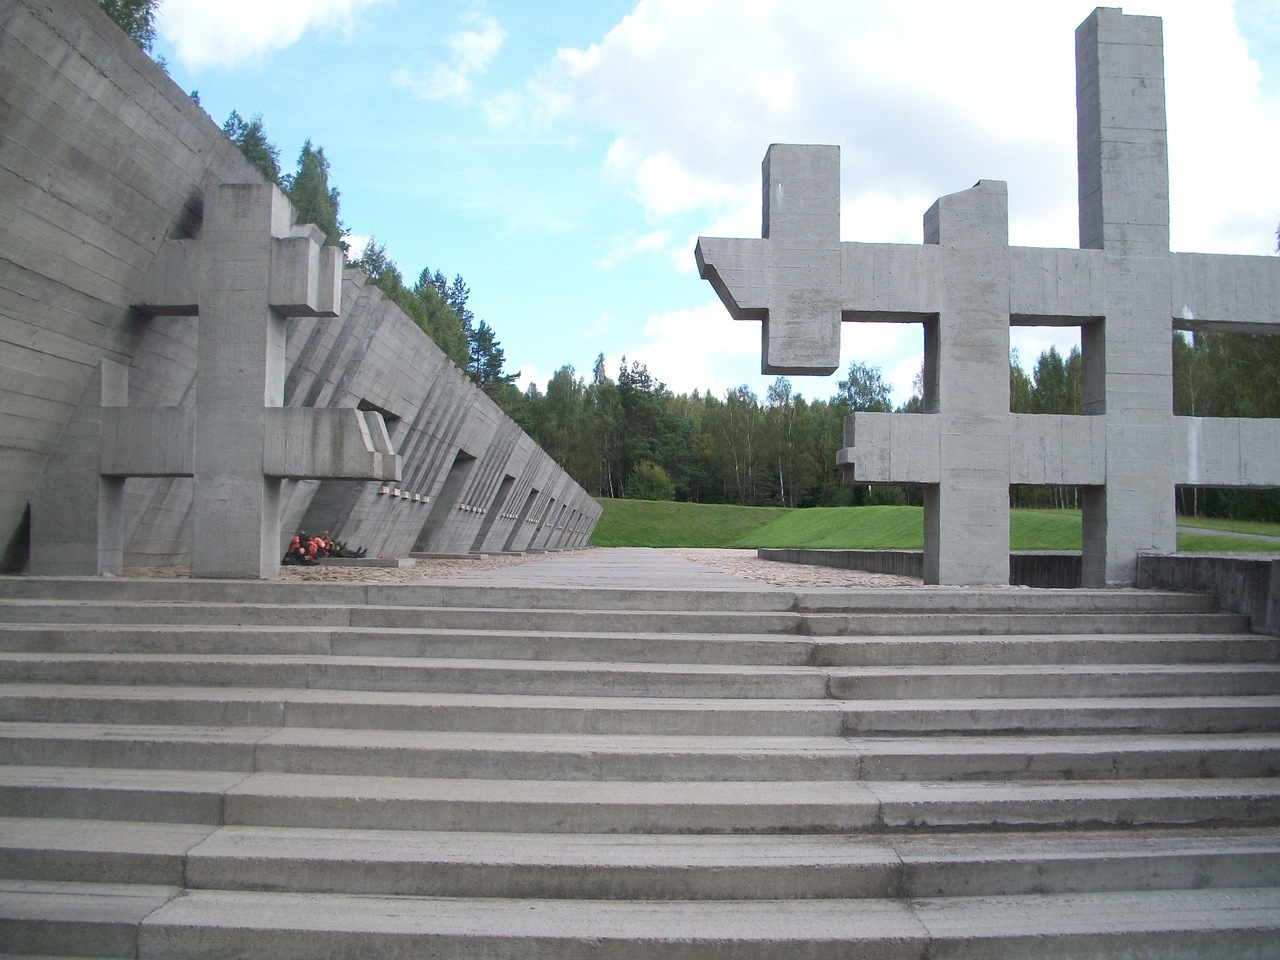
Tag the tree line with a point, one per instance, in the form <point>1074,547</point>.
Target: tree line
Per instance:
<point>437,305</point>
<point>630,436</point>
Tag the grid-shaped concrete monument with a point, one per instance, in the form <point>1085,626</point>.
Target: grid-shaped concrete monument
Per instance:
<point>1124,288</point>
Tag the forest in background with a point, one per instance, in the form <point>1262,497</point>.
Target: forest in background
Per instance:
<point>629,436</point>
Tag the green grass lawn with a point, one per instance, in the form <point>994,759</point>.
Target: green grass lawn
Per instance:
<point>647,523</point>
<point>1217,543</point>
<point>660,523</point>
<point>841,528</point>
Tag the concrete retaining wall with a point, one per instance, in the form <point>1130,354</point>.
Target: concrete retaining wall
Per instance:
<point>1247,583</point>
<point>1050,569</point>
<point>102,159</point>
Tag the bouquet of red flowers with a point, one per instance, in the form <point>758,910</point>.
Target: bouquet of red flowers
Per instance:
<point>304,548</point>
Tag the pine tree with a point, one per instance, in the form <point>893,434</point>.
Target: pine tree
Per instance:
<point>315,201</point>
<point>251,137</point>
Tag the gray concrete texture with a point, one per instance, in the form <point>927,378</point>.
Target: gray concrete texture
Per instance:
<point>139,246</point>
<point>966,285</point>
<point>622,753</point>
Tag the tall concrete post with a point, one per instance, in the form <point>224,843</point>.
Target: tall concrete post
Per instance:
<point>1124,212</point>
<point>966,514</point>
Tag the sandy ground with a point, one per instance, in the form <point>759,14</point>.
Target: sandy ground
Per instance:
<point>739,563</point>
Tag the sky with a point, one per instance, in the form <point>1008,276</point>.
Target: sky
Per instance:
<point>564,156</point>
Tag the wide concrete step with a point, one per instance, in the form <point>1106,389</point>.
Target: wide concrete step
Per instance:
<point>752,597</point>
<point>419,753</point>
<point>207,924</point>
<point>399,710</point>
<point>909,622</point>
<point>50,919</point>
<point>563,678</point>
<point>568,806</point>
<point>623,715</point>
<point>570,678</point>
<point>621,867</point>
<point>706,648</point>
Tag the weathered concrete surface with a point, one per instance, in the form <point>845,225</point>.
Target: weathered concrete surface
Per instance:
<point>1244,583</point>
<point>631,756</point>
<point>107,171</point>
<point>1123,288</point>
<point>1056,569</point>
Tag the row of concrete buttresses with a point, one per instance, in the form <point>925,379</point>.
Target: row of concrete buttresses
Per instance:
<point>191,376</point>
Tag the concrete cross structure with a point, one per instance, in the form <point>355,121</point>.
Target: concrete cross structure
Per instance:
<point>966,285</point>
<point>248,270</point>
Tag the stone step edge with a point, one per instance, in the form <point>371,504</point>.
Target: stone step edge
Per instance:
<point>671,757</point>
<point>292,926</point>
<point>645,647</point>
<point>341,696</point>
<point>262,799</point>
<point>757,596</point>
<point>584,866</point>
<point>516,665</point>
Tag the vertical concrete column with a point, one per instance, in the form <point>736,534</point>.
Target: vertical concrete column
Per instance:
<point>1124,211</point>
<point>967,513</point>
<point>236,519</point>
<point>791,278</point>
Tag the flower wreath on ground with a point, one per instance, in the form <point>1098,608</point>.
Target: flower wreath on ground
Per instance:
<point>304,548</point>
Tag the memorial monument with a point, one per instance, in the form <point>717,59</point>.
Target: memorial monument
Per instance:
<point>1124,288</point>
<point>181,363</point>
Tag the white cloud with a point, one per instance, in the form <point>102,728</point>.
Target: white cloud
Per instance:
<point>471,53</point>
<point>229,33</point>
<point>528,374</point>
<point>356,242</point>
<point>924,98</point>
<point>696,348</point>
<point>627,247</point>
<point>661,183</point>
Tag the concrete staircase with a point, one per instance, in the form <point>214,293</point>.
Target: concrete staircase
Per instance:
<point>212,770</point>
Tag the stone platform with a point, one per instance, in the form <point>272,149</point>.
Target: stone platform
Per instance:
<point>627,754</point>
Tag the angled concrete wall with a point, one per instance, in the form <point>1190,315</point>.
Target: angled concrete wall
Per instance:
<point>103,159</point>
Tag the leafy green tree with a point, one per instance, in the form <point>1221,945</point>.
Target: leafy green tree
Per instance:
<point>137,18</point>
<point>780,427</point>
<point>864,389</point>
<point>1057,383</point>
<point>608,430</point>
<point>650,482</point>
<point>315,201</point>
<point>251,137</point>
<point>1020,386</point>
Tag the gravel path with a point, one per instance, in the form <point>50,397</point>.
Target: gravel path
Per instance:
<point>739,563</point>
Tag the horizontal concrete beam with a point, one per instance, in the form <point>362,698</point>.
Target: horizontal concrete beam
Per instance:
<point>1057,449</point>
<point>891,448</point>
<point>337,444</point>
<point>1220,452</point>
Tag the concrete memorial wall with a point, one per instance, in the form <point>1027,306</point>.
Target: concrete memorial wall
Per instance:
<point>180,361</point>
<point>1124,288</point>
